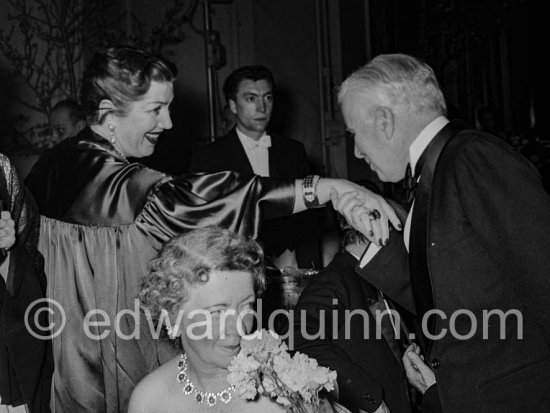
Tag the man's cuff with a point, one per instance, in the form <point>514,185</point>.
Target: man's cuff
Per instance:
<point>430,400</point>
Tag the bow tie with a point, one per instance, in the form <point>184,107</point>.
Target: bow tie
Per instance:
<point>409,185</point>
<point>263,142</point>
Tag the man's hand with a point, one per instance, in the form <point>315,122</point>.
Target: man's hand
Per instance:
<point>418,372</point>
<point>357,207</point>
<point>7,230</point>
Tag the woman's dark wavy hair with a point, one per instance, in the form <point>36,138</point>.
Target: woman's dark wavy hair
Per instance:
<point>121,74</point>
<point>189,259</point>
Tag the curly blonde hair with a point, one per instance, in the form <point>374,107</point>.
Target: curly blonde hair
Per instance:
<point>189,259</point>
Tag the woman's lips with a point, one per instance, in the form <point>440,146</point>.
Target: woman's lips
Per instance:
<point>152,138</point>
<point>232,349</point>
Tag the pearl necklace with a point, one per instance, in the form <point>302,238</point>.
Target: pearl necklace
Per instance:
<point>189,388</point>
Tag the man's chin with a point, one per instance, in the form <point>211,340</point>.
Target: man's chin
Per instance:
<point>385,178</point>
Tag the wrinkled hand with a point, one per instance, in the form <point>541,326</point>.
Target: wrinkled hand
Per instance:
<point>355,202</point>
<point>418,372</point>
<point>7,230</point>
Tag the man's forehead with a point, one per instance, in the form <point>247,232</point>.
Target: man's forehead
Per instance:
<point>254,86</point>
<point>352,108</point>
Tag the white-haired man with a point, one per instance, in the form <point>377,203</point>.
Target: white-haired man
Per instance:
<point>477,236</point>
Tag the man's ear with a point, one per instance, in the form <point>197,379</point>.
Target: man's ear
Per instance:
<point>233,106</point>
<point>385,121</point>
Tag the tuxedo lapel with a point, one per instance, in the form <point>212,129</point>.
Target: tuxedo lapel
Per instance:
<point>236,155</point>
<point>276,159</point>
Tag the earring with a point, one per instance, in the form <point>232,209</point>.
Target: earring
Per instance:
<point>112,133</point>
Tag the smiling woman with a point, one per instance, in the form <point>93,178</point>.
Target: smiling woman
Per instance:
<point>137,133</point>
<point>104,218</point>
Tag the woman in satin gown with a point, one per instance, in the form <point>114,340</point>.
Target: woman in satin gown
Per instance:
<point>104,218</point>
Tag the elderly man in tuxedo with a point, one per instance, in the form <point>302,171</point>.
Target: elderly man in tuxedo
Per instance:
<point>249,149</point>
<point>477,235</point>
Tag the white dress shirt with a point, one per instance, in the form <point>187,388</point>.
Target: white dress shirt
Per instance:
<point>415,151</point>
<point>257,152</point>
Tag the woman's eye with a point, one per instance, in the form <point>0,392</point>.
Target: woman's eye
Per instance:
<point>156,110</point>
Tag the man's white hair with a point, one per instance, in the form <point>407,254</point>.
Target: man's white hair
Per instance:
<point>401,79</point>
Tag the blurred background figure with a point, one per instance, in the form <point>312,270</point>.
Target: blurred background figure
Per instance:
<point>67,119</point>
<point>25,359</point>
<point>487,121</point>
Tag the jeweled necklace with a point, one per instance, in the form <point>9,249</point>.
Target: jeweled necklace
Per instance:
<point>189,389</point>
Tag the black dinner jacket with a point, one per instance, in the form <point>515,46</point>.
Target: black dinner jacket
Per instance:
<point>287,157</point>
<point>368,372</point>
<point>488,249</point>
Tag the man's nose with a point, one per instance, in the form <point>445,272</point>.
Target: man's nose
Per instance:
<point>261,106</point>
<point>357,153</point>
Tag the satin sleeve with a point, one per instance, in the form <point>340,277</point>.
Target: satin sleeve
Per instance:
<point>227,199</point>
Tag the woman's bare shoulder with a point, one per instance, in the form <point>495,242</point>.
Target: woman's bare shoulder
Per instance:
<point>154,389</point>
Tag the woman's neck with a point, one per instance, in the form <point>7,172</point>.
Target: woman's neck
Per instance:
<point>206,376</point>
<point>104,133</point>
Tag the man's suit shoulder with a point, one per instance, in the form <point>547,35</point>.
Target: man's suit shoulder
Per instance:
<point>291,143</point>
<point>469,143</point>
<point>472,150</point>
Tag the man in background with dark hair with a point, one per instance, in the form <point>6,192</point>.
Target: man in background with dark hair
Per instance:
<point>248,149</point>
<point>67,119</point>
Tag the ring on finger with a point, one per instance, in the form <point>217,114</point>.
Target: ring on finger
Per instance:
<point>374,214</point>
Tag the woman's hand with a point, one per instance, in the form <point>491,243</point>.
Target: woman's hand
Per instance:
<point>418,372</point>
<point>367,212</point>
<point>7,230</point>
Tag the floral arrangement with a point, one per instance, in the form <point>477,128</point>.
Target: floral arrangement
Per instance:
<point>264,366</point>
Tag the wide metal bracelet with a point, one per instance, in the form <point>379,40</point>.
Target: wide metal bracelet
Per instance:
<point>309,191</point>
